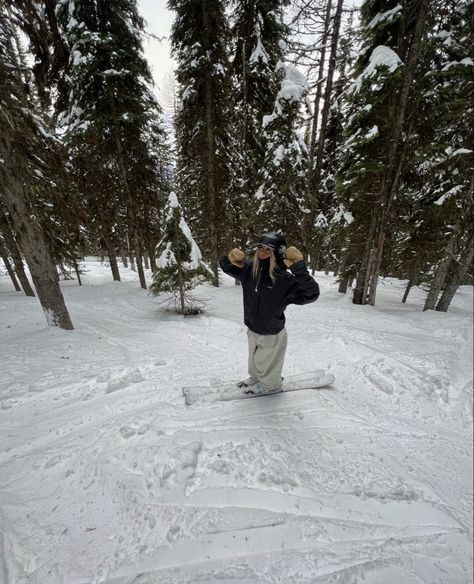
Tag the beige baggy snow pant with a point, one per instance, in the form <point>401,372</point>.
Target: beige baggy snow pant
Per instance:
<point>266,356</point>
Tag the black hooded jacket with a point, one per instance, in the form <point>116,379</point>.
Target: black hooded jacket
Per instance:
<point>264,301</point>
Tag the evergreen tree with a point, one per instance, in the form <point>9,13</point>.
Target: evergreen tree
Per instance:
<point>199,40</point>
<point>179,265</point>
<point>44,80</point>
<point>111,124</point>
<point>439,176</point>
<point>328,238</point>
<point>38,21</point>
<point>259,46</point>
<point>29,162</point>
<point>281,192</point>
<point>382,93</point>
<point>318,148</point>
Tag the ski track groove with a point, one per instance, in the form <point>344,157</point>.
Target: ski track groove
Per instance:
<point>321,547</point>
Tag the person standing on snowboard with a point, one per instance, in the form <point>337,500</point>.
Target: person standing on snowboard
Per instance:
<point>275,278</point>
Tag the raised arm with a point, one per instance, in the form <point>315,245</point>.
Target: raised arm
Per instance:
<point>233,263</point>
<point>304,288</point>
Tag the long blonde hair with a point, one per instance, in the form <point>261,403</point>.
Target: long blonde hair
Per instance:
<point>256,266</point>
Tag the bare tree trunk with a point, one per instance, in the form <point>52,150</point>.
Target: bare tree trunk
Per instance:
<point>124,259</point>
<point>407,290</point>
<point>343,285</point>
<point>360,290</point>
<point>133,240</point>
<point>211,158</point>
<point>35,249</point>
<point>412,280</point>
<point>9,269</point>
<point>131,256</point>
<point>375,268</point>
<point>344,280</point>
<point>141,273</point>
<point>112,258</point>
<point>16,256</point>
<point>146,262</point>
<point>78,273</point>
<point>315,174</point>
<point>441,272</point>
<point>182,297</point>
<point>456,277</point>
<point>308,219</point>
<point>151,253</point>
<point>437,284</point>
<point>328,93</point>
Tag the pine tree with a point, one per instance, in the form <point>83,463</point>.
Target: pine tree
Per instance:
<point>199,41</point>
<point>318,147</point>
<point>259,46</point>
<point>438,187</point>
<point>375,148</point>
<point>110,123</point>
<point>38,21</point>
<point>57,210</point>
<point>327,238</point>
<point>28,154</point>
<point>281,192</point>
<point>179,265</point>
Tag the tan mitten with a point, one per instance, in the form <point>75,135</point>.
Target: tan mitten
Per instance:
<point>237,257</point>
<point>292,256</point>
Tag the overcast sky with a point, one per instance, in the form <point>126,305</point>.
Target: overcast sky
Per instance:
<point>159,20</point>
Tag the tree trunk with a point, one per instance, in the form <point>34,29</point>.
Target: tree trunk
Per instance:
<point>182,297</point>
<point>407,290</point>
<point>315,174</point>
<point>151,253</point>
<point>10,270</point>
<point>133,240</point>
<point>124,259</point>
<point>141,273</point>
<point>375,268</point>
<point>346,260</point>
<point>212,194</point>
<point>343,284</point>
<point>146,262</point>
<point>327,94</point>
<point>308,219</point>
<point>456,277</point>
<point>441,272</point>
<point>412,280</point>
<point>33,244</point>
<point>112,258</point>
<point>78,273</point>
<point>16,256</point>
<point>131,256</point>
<point>437,284</point>
<point>360,290</point>
<point>64,271</point>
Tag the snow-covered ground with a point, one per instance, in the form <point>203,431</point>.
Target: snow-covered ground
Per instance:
<point>107,477</point>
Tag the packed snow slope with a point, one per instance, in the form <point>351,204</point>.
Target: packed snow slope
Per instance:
<point>106,476</point>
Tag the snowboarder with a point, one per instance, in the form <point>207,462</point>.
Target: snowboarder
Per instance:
<point>275,278</point>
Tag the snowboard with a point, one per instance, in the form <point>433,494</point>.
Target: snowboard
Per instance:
<point>231,390</point>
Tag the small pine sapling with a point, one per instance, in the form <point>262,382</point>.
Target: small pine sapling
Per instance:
<point>179,263</point>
